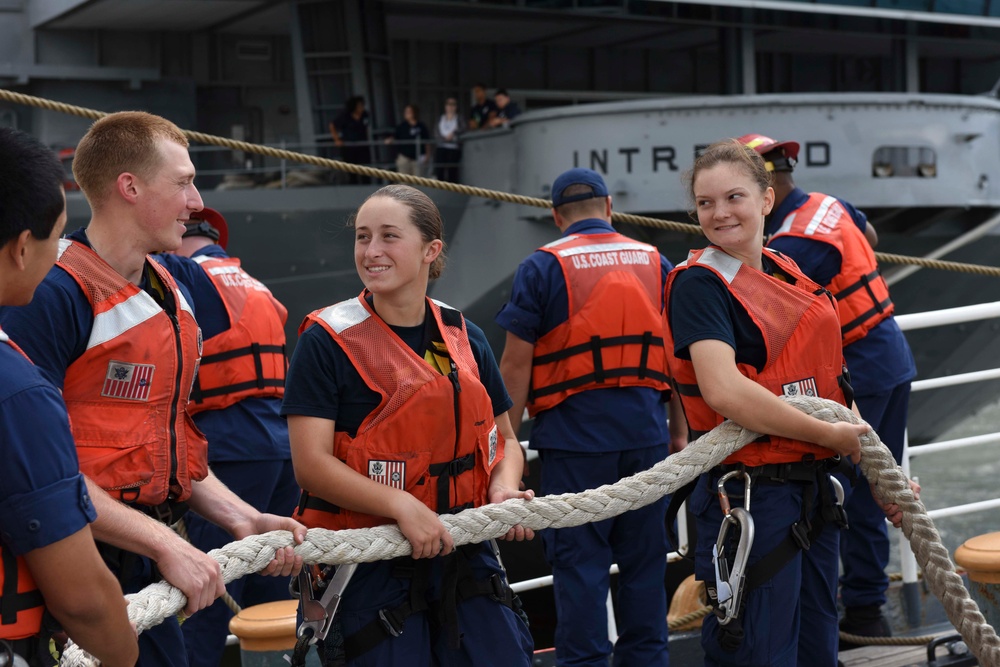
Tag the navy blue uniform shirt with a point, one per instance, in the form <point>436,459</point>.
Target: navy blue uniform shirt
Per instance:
<point>43,496</point>
<point>882,359</point>
<point>600,420</point>
<point>322,382</point>
<point>53,330</point>
<point>251,430</point>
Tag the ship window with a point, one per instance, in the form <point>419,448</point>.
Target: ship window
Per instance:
<point>904,161</point>
<point>253,50</point>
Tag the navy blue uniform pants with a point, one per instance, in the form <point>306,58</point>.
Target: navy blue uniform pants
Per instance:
<point>492,635</point>
<point>270,487</point>
<point>864,547</point>
<point>791,619</point>
<point>580,558</point>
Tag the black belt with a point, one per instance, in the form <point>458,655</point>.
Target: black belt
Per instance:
<point>779,473</point>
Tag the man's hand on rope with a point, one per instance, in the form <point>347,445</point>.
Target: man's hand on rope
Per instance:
<point>892,511</point>
<point>195,573</point>
<point>285,560</point>
<point>498,494</point>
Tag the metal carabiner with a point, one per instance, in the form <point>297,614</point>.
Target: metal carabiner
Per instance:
<point>318,615</point>
<point>729,582</point>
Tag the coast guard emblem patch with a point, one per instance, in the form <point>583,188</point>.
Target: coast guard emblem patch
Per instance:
<point>806,387</point>
<point>390,473</point>
<point>493,446</point>
<point>129,381</point>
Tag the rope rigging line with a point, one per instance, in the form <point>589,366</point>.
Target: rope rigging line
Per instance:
<point>497,195</point>
<point>158,601</point>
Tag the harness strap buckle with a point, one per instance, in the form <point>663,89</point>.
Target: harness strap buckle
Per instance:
<point>800,533</point>
<point>390,624</point>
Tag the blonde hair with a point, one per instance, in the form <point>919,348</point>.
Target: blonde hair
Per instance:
<point>731,151</point>
<point>118,143</point>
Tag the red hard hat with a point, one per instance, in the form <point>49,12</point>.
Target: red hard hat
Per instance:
<point>764,145</point>
<point>215,219</point>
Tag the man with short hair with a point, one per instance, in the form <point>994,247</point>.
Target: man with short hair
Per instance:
<point>113,330</point>
<point>507,109</point>
<point>50,562</point>
<point>584,353</point>
<point>236,403</point>
<point>483,109</point>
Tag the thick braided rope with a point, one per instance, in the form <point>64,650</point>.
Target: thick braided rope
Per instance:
<point>252,554</point>
<point>395,176</point>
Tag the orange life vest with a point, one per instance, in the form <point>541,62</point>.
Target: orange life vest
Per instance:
<point>859,288</point>
<point>613,335</point>
<point>21,603</point>
<point>432,435</point>
<point>248,359</point>
<point>804,353</point>
<point>127,394</point>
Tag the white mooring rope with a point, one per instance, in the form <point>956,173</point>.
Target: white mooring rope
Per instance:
<point>161,600</point>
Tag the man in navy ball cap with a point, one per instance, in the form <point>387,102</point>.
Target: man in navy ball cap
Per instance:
<point>584,353</point>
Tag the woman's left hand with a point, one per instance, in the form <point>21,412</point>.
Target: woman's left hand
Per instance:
<point>517,533</point>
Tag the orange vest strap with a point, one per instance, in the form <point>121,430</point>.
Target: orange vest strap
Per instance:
<point>255,350</point>
<point>13,602</point>
<point>594,346</point>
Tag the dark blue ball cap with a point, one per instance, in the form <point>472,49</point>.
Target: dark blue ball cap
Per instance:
<point>578,176</point>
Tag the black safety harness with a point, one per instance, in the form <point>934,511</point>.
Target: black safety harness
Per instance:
<point>814,476</point>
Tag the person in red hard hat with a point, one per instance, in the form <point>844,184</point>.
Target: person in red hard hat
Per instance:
<point>832,243</point>
<point>236,402</point>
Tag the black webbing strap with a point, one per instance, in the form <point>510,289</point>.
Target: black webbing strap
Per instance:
<point>256,350</point>
<point>863,281</point>
<point>803,533</point>
<point>390,622</point>
<point>583,348</point>
<point>632,371</point>
<point>11,601</point>
<point>860,319</point>
<point>444,472</point>
<point>691,390</point>
<point>309,501</point>
<point>679,496</point>
<point>647,340</point>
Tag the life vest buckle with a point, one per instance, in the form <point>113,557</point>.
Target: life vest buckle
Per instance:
<point>392,627</point>
<point>730,579</point>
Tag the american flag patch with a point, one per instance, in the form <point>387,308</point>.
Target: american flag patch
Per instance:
<point>129,381</point>
<point>805,387</point>
<point>390,473</point>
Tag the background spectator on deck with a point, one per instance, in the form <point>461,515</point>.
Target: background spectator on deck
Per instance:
<point>449,151</point>
<point>483,110</point>
<point>412,134</point>
<point>507,109</point>
<point>350,131</point>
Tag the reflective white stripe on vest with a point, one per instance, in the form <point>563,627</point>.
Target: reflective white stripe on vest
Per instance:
<point>344,314</point>
<point>183,303</point>
<point>63,244</point>
<point>128,314</point>
<point>786,226</point>
<point>565,239</point>
<point>219,270</point>
<point>820,214</point>
<point>604,247</point>
<point>200,259</point>
<point>442,304</point>
<point>725,264</point>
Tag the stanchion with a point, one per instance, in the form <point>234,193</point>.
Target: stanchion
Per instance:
<point>980,556</point>
<point>267,634</point>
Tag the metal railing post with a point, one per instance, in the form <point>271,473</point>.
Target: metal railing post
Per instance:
<point>907,560</point>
